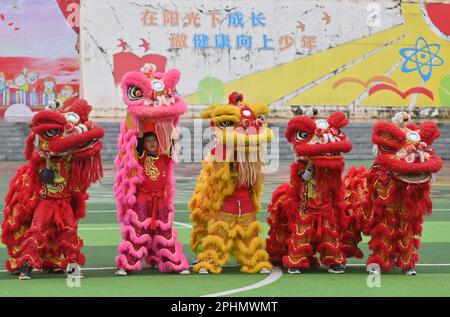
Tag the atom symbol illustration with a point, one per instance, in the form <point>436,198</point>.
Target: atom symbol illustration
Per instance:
<point>422,58</point>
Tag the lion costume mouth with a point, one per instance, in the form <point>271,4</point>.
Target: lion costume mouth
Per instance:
<point>255,138</point>
<point>413,178</point>
<point>405,149</point>
<point>77,144</point>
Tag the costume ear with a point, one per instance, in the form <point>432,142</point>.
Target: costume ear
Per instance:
<point>81,108</point>
<point>388,135</point>
<point>29,146</point>
<point>338,120</point>
<point>207,113</point>
<point>299,123</point>
<point>171,78</point>
<point>429,132</point>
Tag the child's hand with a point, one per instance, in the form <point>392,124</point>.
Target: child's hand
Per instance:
<point>140,128</point>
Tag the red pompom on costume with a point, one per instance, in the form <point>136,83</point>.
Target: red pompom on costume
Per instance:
<point>48,195</point>
<point>307,215</point>
<point>388,202</point>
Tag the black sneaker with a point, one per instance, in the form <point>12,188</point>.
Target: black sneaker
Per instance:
<point>25,273</point>
<point>336,269</point>
<point>16,272</point>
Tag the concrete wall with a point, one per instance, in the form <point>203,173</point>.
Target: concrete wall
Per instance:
<point>13,136</point>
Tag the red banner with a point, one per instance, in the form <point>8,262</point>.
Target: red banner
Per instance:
<point>71,11</point>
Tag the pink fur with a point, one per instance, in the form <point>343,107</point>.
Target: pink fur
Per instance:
<point>162,241</point>
<point>122,262</point>
<point>164,112</point>
<point>135,239</point>
<point>137,107</point>
<point>127,247</point>
<point>132,219</point>
<point>171,78</point>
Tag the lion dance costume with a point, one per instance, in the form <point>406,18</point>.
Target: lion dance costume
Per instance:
<point>308,215</point>
<point>48,195</point>
<point>388,202</point>
<point>144,186</point>
<point>225,204</point>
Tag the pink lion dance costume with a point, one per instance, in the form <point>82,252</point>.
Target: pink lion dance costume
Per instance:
<point>146,218</point>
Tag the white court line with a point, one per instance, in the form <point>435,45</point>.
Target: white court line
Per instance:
<point>185,225</point>
<point>95,229</point>
<point>112,268</point>
<point>419,264</point>
<point>275,269</point>
<point>274,276</point>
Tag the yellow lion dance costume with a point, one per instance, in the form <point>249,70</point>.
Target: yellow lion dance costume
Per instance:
<point>225,204</point>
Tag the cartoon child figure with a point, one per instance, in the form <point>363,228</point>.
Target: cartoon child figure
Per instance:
<point>66,93</point>
<point>32,79</point>
<point>49,85</point>
<point>20,82</point>
<point>2,82</point>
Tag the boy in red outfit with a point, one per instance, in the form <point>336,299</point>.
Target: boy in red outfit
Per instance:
<point>161,247</point>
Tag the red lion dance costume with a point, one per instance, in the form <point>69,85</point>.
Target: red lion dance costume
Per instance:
<point>388,202</point>
<point>307,215</point>
<point>48,195</point>
<point>144,185</point>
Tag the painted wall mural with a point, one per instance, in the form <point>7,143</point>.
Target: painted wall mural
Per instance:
<point>292,52</point>
<point>38,56</point>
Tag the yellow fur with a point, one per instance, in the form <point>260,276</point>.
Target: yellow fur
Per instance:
<point>213,240</point>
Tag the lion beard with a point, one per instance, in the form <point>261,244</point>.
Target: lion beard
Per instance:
<point>250,168</point>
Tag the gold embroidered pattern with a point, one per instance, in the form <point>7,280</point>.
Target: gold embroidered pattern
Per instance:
<point>150,168</point>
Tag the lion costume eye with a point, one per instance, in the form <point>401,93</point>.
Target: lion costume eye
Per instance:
<point>386,148</point>
<point>52,133</point>
<point>301,135</point>
<point>226,124</point>
<point>135,93</point>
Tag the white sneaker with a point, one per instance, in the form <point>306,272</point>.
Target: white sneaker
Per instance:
<point>203,271</point>
<point>411,272</point>
<point>294,271</point>
<point>195,261</point>
<point>121,272</point>
<point>264,271</point>
<point>24,276</point>
<point>185,272</point>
